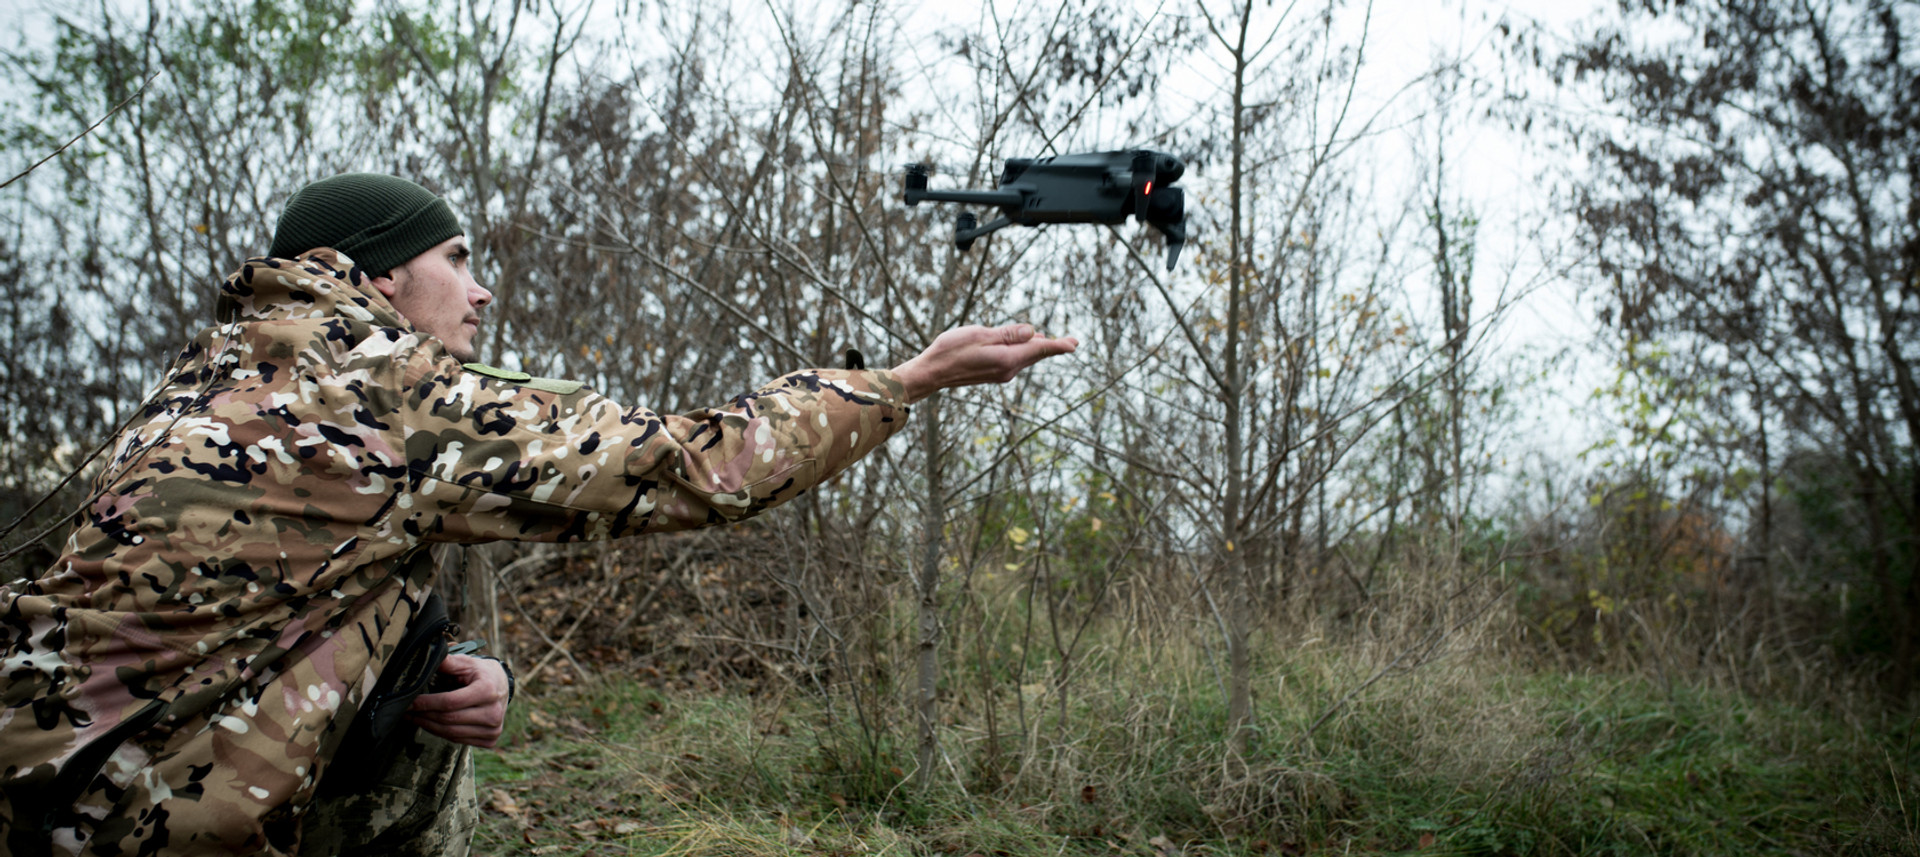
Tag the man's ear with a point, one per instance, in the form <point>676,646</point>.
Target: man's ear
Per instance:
<point>385,284</point>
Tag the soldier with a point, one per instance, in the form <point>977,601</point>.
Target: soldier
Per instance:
<point>248,584</point>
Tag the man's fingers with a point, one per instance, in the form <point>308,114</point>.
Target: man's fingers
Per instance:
<point>975,354</point>
<point>482,715</point>
<point>1060,345</point>
<point>478,736</point>
<point>453,731</point>
<point>475,695</point>
<point>466,721</point>
<point>466,697</point>
<point>1041,349</point>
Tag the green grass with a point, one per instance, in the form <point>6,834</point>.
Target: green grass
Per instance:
<point>1478,759</point>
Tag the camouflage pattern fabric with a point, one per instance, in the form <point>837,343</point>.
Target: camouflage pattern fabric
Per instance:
<point>421,804</point>
<point>177,682</point>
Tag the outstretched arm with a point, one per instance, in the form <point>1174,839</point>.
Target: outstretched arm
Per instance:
<point>498,459</point>
<point>973,354</point>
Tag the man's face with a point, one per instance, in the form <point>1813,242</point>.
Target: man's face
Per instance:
<point>436,293</point>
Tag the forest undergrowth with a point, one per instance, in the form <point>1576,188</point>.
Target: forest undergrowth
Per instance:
<point>1418,735</point>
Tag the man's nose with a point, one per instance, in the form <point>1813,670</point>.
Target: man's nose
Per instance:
<point>479,296</point>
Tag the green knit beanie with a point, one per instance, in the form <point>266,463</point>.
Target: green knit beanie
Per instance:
<point>380,222</point>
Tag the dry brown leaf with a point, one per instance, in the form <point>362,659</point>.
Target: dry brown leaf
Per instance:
<point>499,801</point>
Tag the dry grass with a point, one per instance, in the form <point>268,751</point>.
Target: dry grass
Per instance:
<point>1422,718</point>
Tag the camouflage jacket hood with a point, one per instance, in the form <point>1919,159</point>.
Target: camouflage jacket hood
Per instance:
<point>313,289</point>
<point>236,584</point>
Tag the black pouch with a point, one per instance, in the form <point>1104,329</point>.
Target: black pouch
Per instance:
<point>413,670</point>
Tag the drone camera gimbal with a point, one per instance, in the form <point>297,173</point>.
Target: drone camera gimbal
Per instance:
<point>1092,187</point>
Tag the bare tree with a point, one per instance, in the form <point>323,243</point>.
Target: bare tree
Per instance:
<point>1755,212</point>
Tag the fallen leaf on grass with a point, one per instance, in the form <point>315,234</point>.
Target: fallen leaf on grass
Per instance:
<point>499,801</point>
<point>607,826</point>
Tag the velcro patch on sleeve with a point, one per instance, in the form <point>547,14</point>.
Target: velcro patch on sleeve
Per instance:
<point>545,385</point>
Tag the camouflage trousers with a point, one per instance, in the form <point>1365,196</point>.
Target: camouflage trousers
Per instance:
<point>419,800</point>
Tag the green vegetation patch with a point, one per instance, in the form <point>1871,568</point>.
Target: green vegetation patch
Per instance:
<point>1466,760</point>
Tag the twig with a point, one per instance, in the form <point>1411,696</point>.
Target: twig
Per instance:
<point>535,625</point>
<point>742,641</point>
<point>136,455</point>
<point>76,138</point>
<point>561,647</point>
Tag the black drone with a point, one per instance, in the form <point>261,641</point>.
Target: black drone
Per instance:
<point>1091,187</point>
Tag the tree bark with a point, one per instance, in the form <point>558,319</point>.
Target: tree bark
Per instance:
<point>927,589</point>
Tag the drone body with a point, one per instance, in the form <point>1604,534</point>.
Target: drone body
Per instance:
<point>1091,187</point>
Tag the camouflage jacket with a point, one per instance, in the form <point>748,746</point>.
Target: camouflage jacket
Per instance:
<point>231,592</point>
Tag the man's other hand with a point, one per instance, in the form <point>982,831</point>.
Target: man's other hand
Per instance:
<point>973,354</point>
<point>475,713</point>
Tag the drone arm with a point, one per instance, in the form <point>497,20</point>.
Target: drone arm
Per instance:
<point>996,198</point>
<point>914,189</point>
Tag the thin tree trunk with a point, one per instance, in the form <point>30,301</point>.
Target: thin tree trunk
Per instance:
<point>1240,611</point>
<point>927,586</point>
